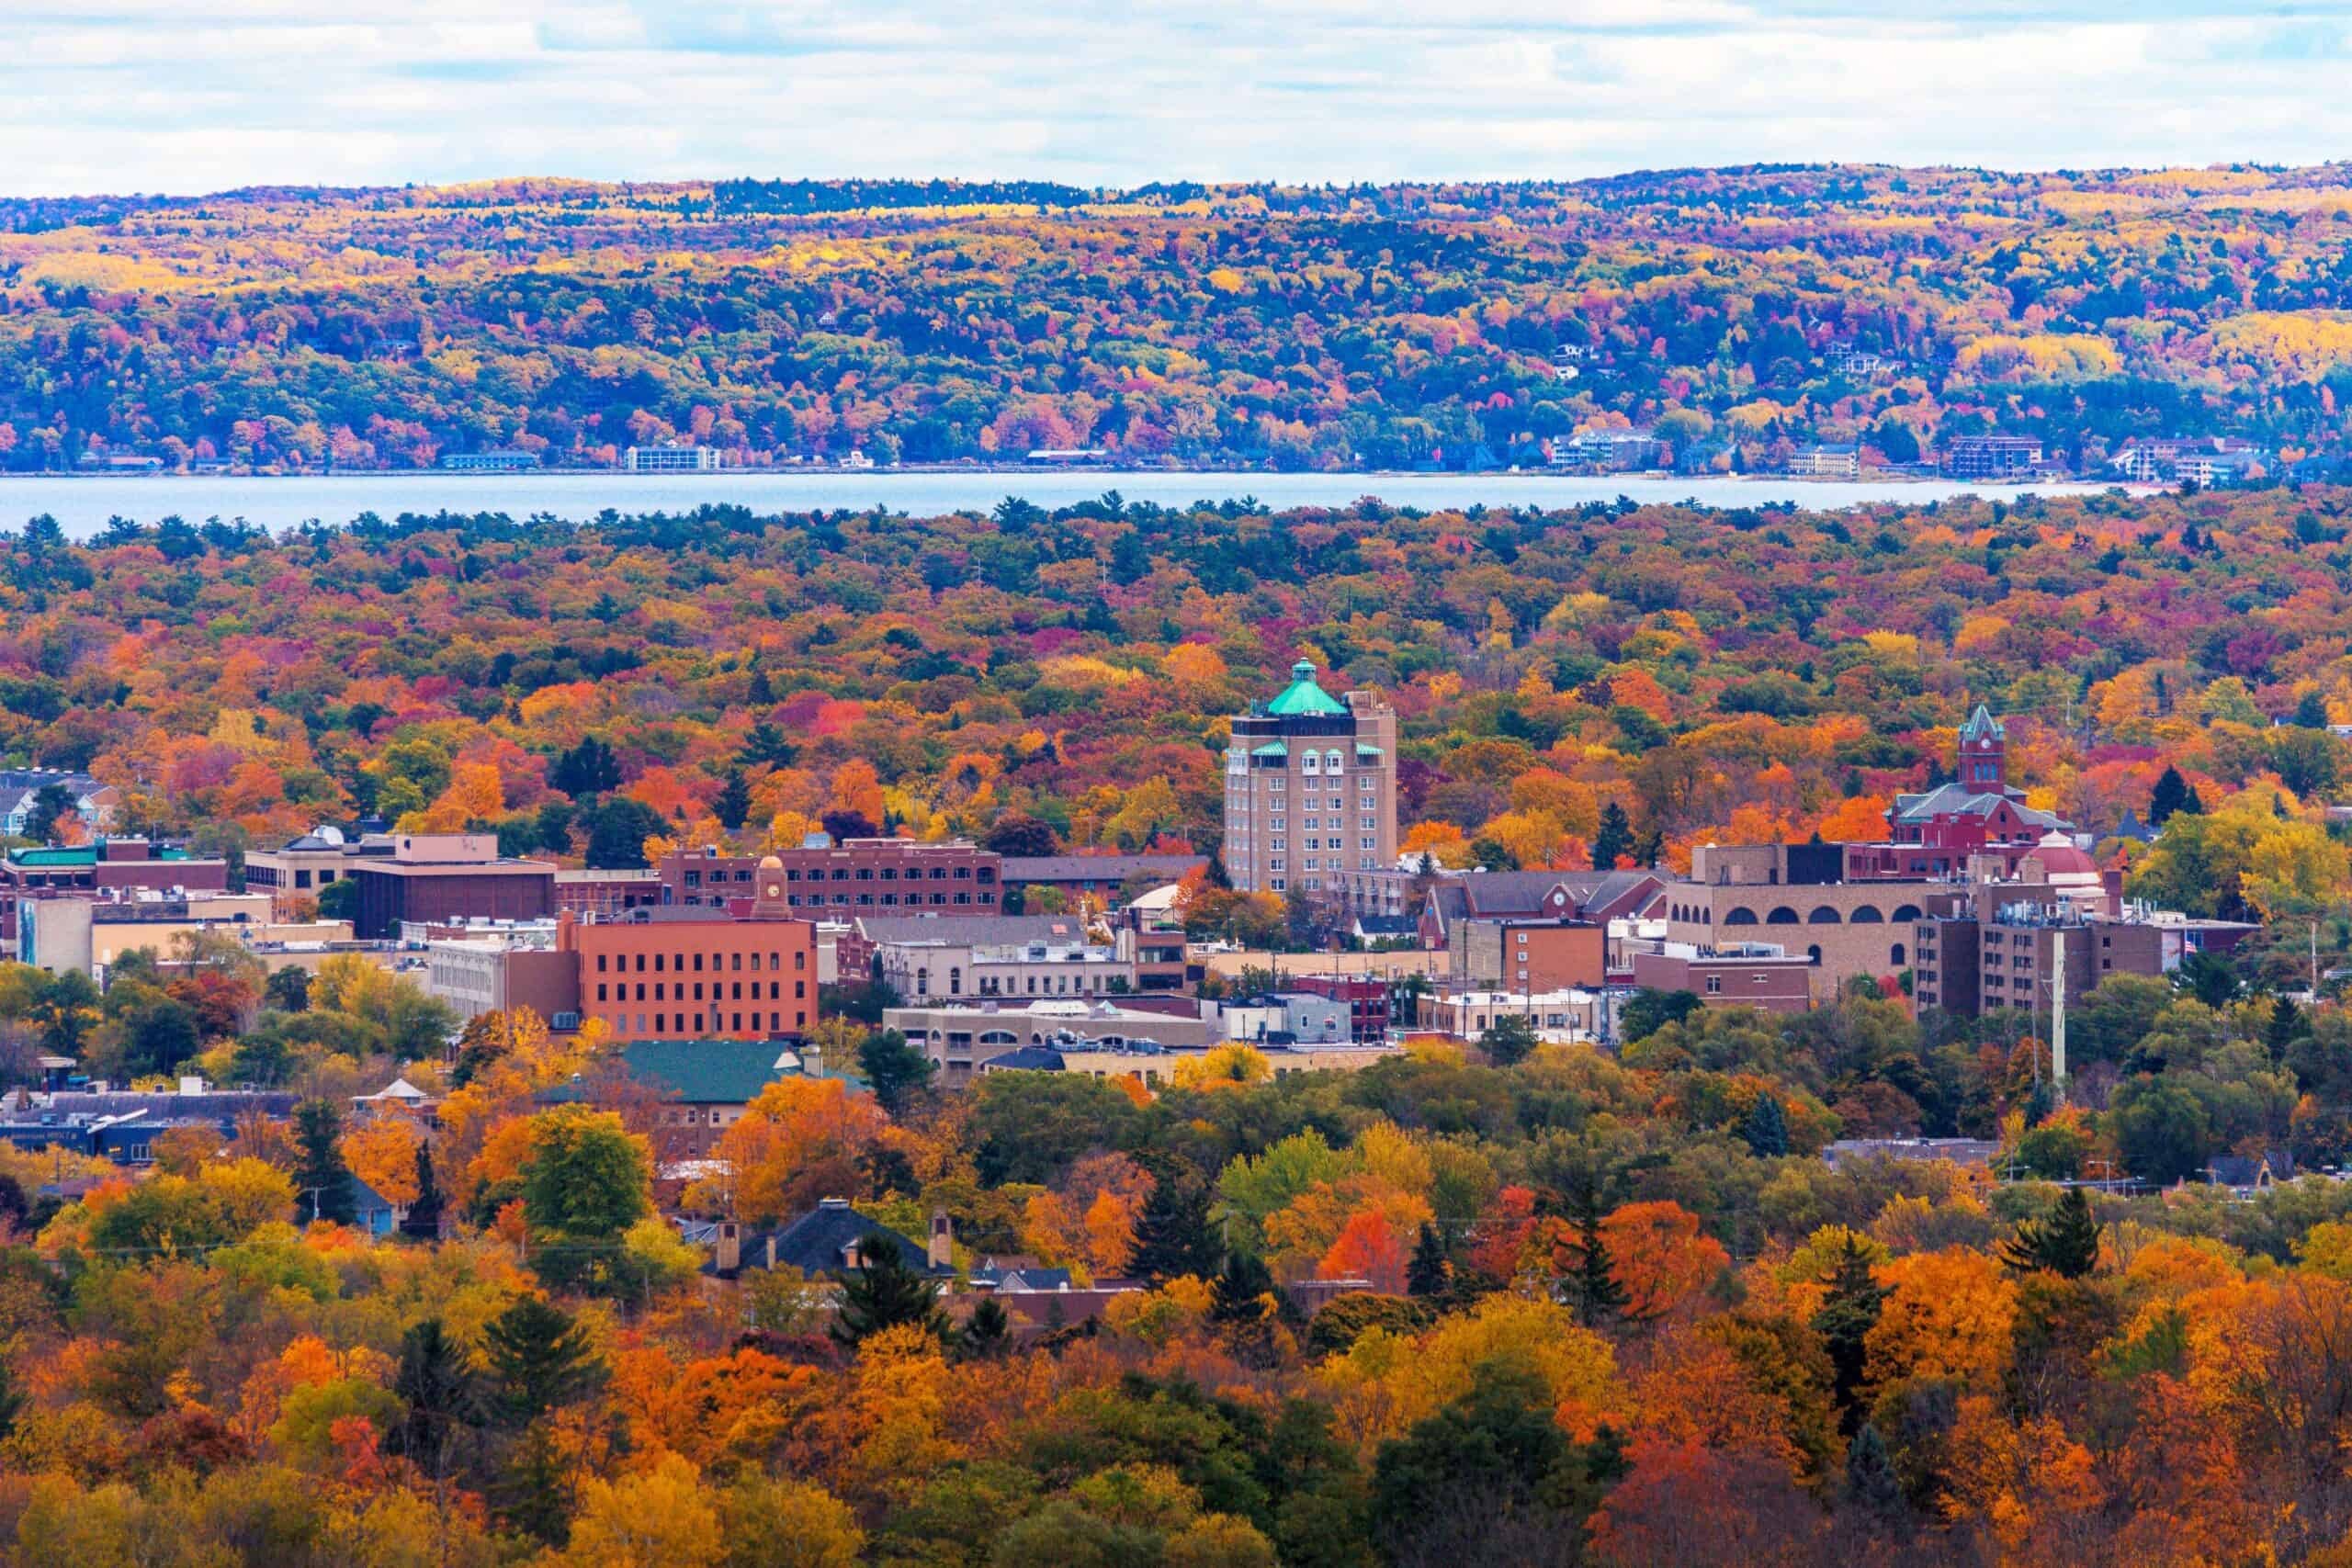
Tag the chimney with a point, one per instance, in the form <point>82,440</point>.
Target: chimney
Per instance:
<point>566,932</point>
<point>730,1246</point>
<point>771,1249</point>
<point>942,1240</point>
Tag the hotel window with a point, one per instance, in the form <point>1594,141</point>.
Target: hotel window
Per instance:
<point>1714,985</point>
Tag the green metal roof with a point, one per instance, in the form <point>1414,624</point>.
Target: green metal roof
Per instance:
<point>1367,751</point>
<point>1304,697</point>
<point>1270,748</point>
<point>85,855</point>
<point>699,1072</point>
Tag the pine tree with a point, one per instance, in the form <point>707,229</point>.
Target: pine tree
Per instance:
<point>540,1360</point>
<point>438,1387</point>
<point>1242,1287</point>
<point>1614,839</point>
<point>1431,1272</point>
<point>988,1330</point>
<point>424,1221</point>
<point>733,806</point>
<point>1767,1128</point>
<point>2170,798</point>
<point>2066,1243</point>
<point>1174,1237</point>
<point>323,1188</point>
<point>1847,1316</point>
<point>2288,1025</point>
<point>1871,1481</point>
<point>884,1294</point>
<point>1594,1289</point>
<point>761,692</point>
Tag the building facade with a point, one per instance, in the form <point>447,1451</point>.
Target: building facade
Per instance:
<point>1993,456</point>
<point>1504,953</point>
<point>840,881</point>
<point>116,867</point>
<point>1310,788</point>
<point>296,870</point>
<point>1102,878</point>
<point>673,460</point>
<point>666,975</point>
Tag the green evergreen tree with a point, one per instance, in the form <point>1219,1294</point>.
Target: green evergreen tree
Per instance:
<point>1174,1237</point>
<point>1431,1272</point>
<point>2066,1243</point>
<point>1241,1288</point>
<point>1871,1481</point>
<point>323,1188</point>
<point>1767,1131</point>
<point>1593,1290</point>
<point>733,805</point>
<point>2287,1026</point>
<point>424,1219</point>
<point>2169,796</point>
<point>1614,839</point>
<point>1848,1315</point>
<point>540,1360</point>
<point>987,1330</point>
<point>439,1386</point>
<point>898,1071</point>
<point>884,1294</point>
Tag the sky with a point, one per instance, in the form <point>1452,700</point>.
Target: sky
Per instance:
<point>193,96</point>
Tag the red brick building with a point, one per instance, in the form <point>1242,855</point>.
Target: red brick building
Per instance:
<point>857,876</point>
<point>699,973</point>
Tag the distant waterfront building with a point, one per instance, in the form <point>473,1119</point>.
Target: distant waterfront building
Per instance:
<point>2208,460</point>
<point>670,459</point>
<point>1310,788</point>
<point>497,460</point>
<point>1609,452</point>
<point>1844,462</point>
<point>1992,457</point>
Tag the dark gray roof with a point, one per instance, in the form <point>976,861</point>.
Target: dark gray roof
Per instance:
<point>2245,1170</point>
<point>819,1241</point>
<point>1959,800</point>
<point>1027,1059</point>
<point>982,930</point>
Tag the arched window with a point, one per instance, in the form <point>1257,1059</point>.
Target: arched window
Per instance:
<point>1782,916</point>
<point>1813,952</point>
<point>1000,1037</point>
<point>922,982</point>
<point>1740,915</point>
<point>1894,956</point>
<point>1866,915</point>
<point>1906,912</point>
<point>1822,915</point>
<point>955,982</point>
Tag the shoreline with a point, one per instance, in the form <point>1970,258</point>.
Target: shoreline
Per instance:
<point>838,475</point>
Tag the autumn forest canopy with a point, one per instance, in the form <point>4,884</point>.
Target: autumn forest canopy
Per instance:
<point>1368,326</point>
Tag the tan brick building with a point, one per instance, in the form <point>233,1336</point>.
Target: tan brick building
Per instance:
<point>1310,788</point>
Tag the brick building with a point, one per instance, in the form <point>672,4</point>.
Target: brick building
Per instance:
<point>1310,788</point>
<point>667,974</point>
<point>119,867</point>
<point>857,876</point>
<point>298,868</point>
<point>447,877</point>
<point>1760,974</point>
<point>1507,954</point>
<point>1740,895</point>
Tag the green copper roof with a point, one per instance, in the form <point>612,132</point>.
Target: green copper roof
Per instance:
<point>85,854</point>
<point>1270,748</point>
<point>1982,725</point>
<point>1303,697</point>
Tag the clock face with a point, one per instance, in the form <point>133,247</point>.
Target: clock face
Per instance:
<point>776,889</point>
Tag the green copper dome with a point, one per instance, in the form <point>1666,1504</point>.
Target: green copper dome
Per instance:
<point>1303,697</point>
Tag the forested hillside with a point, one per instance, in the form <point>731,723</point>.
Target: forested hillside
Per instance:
<point>1389,326</point>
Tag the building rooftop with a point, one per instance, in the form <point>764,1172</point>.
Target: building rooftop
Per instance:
<point>698,1072</point>
<point>1303,697</point>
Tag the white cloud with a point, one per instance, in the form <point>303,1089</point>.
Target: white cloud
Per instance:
<point>146,95</point>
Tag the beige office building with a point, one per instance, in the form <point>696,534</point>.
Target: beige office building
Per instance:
<point>1310,789</point>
